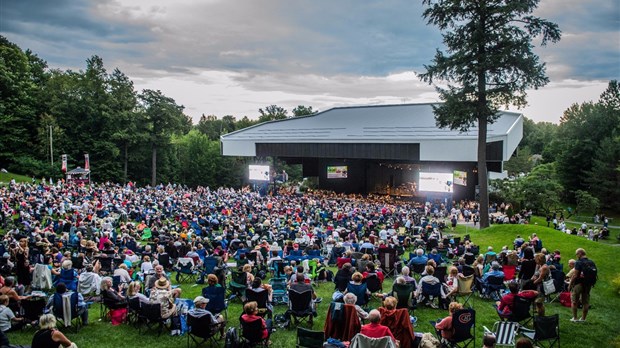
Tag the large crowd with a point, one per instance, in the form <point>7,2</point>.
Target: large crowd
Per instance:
<point>117,244</point>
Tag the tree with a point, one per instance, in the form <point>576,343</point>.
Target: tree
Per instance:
<point>164,118</point>
<point>541,189</point>
<point>586,202</point>
<point>302,110</point>
<point>271,113</point>
<point>490,64</point>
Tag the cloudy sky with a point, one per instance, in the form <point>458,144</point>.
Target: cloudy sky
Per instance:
<point>232,57</point>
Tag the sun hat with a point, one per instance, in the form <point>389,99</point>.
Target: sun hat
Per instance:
<point>162,283</point>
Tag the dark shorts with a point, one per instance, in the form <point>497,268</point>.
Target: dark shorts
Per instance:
<point>580,292</point>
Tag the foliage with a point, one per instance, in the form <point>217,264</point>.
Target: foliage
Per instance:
<point>541,190</point>
<point>272,113</point>
<point>489,63</point>
<point>302,110</point>
<point>521,162</point>
<point>586,202</point>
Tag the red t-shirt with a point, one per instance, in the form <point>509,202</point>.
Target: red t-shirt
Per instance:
<point>376,331</point>
<point>446,327</point>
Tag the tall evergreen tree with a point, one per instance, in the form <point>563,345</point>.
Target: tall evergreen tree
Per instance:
<point>490,63</point>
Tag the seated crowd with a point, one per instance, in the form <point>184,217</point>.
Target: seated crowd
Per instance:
<point>118,244</point>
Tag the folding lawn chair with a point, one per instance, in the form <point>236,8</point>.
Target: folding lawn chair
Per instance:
<point>505,333</point>
<point>509,272</point>
<point>279,294</point>
<point>493,287</point>
<point>387,259</point>
<point>545,329</point>
<point>309,339</point>
<point>217,300</point>
<point>430,292</point>
<point>464,285</point>
<point>300,306</point>
<point>237,284</point>
<point>185,270</point>
<point>202,330</point>
<point>464,326</point>
<point>261,297</point>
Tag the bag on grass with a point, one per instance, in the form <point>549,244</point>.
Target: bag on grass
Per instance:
<point>232,339</point>
<point>565,299</point>
<point>118,315</point>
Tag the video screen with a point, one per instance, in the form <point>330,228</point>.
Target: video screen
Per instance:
<point>337,172</point>
<point>435,182</point>
<point>258,172</point>
<point>460,178</point>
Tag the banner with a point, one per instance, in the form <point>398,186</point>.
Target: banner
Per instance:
<point>64,163</point>
<point>86,162</point>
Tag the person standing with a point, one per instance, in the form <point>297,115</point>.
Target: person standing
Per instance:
<point>581,283</point>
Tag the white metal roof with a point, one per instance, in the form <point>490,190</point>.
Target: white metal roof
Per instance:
<point>404,123</point>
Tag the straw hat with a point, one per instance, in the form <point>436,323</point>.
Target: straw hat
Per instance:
<point>162,283</point>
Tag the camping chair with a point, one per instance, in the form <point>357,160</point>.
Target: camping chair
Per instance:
<point>342,322</point>
<point>277,267</point>
<point>106,265</point>
<point>313,267</point>
<point>279,294</point>
<point>67,300</point>
<point>440,273</point>
<point>430,292</point>
<point>202,329</point>
<point>134,306</point>
<point>464,285</point>
<point>468,270</point>
<point>300,306</point>
<point>464,326</point>
<point>363,341</point>
<point>387,259</point>
<point>217,300</point>
<point>404,295</point>
<point>261,296</point>
<point>185,270</point>
<point>150,315</point>
<point>521,310</point>
<point>509,272</point>
<point>309,339</point>
<point>164,260</point>
<point>558,281</point>
<point>360,292</point>
<point>33,308</point>
<point>237,284</point>
<point>252,333</point>
<point>418,269</point>
<point>545,329</point>
<point>493,287</point>
<point>505,333</point>
<point>373,283</point>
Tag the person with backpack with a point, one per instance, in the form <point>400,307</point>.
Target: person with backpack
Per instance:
<point>581,283</point>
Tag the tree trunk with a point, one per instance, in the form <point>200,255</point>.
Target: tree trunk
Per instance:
<point>483,181</point>
<point>154,166</point>
<point>126,160</point>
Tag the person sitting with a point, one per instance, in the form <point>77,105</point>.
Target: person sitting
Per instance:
<point>159,273</point>
<point>370,270</point>
<point>56,299</point>
<point>351,299</point>
<point>10,290</point>
<point>506,304</point>
<point>199,311</point>
<point>301,286</point>
<point>161,294</point>
<point>48,336</point>
<point>355,286</point>
<point>112,297</point>
<point>445,325</point>
<point>147,266</point>
<point>434,255</point>
<point>343,276</point>
<point>250,314</point>
<point>405,273</point>
<point>429,279</point>
<point>133,291</point>
<point>374,329</point>
<point>346,258</point>
<point>451,284</point>
<point>68,275</point>
<point>123,273</point>
<point>495,271</point>
<point>89,281</point>
<point>8,320</point>
<point>418,259</point>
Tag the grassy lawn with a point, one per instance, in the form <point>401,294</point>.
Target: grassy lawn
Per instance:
<point>602,328</point>
<point>614,228</point>
<point>5,178</point>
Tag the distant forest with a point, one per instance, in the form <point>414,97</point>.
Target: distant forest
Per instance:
<point>131,134</point>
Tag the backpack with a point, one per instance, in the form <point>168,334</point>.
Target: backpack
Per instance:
<point>589,273</point>
<point>231,340</point>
